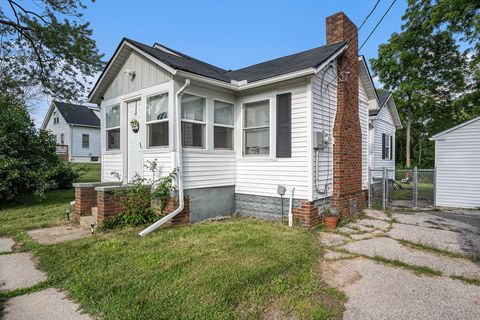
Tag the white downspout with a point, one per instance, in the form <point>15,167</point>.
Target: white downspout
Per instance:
<point>178,165</point>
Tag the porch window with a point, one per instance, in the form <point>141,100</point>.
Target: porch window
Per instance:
<point>387,143</point>
<point>112,117</point>
<point>223,125</point>
<point>193,121</point>
<point>256,128</point>
<point>85,141</point>
<point>157,120</point>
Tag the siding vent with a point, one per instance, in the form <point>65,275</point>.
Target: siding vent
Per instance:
<point>284,125</point>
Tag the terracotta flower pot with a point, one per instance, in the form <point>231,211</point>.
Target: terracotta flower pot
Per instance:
<point>331,222</point>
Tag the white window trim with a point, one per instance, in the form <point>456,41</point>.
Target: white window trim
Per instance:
<point>113,128</point>
<point>157,121</point>
<point>204,122</point>
<point>224,125</point>
<point>88,141</point>
<point>244,128</point>
<point>388,147</point>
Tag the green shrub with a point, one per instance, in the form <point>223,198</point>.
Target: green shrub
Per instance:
<point>137,201</point>
<point>28,162</point>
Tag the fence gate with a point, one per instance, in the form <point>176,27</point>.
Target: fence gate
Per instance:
<point>401,188</point>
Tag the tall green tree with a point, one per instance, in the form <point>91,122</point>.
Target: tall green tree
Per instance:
<point>429,73</point>
<point>45,45</point>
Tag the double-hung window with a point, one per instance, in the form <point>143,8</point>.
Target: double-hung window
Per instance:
<point>112,117</point>
<point>223,125</point>
<point>387,147</point>
<point>157,120</point>
<point>85,141</point>
<point>193,121</point>
<point>256,128</point>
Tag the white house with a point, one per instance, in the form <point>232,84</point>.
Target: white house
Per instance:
<point>384,121</point>
<point>301,121</point>
<point>77,130</point>
<point>457,163</point>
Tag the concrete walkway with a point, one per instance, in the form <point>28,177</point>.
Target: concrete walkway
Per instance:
<point>18,271</point>
<point>406,266</point>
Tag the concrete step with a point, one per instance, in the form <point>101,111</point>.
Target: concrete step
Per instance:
<point>86,222</point>
<point>94,212</point>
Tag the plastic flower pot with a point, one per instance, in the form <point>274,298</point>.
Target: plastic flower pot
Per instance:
<point>331,222</point>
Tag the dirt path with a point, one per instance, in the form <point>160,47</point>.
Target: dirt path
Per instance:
<point>408,266</point>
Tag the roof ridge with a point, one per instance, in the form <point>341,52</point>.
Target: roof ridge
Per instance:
<point>289,55</point>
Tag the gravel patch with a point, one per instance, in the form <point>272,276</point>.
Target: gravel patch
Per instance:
<point>377,224</point>
<point>468,244</point>
<point>362,236</point>
<point>376,291</point>
<point>6,245</point>
<point>375,214</point>
<point>43,305</point>
<point>332,239</point>
<point>334,255</point>
<point>430,220</point>
<point>347,230</point>
<point>17,270</point>
<point>391,249</point>
<point>58,234</point>
<point>358,227</point>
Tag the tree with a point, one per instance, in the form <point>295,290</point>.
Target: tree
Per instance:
<point>45,45</point>
<point>426,69</point>
<point>28,163</point>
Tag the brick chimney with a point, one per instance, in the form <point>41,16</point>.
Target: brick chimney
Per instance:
<point>347,150</point>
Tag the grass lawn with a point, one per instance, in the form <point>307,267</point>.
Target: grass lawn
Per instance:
<point>240,268</point>
<point>92,174</point>
<point>234,269</point>
<point>29,213</point>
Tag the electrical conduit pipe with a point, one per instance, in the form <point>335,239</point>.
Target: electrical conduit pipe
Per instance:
<point>178,165</point>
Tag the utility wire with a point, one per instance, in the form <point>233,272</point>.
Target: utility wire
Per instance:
<point>376,26</point>
<point>368,16</point>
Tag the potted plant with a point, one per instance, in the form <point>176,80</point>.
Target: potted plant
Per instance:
<point>331,218</point>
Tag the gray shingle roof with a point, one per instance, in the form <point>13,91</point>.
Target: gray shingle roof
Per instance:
<point>382,98</point>
<point>295,62</point>
<point>77,114</point>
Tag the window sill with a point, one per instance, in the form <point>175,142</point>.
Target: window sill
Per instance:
<point>257,159</point>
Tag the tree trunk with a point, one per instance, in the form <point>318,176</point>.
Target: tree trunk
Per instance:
<point>419,152</point>
<point>407,136</point>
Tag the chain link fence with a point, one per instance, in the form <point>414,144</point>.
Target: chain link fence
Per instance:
<point>401,188</point>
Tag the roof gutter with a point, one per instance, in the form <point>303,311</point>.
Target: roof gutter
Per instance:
<point>178,165</point>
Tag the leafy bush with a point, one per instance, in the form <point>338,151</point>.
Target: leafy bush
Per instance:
<point>28,162</point>
<point>137,201</point>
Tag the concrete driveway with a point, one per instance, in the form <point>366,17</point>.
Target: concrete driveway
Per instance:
<point>407,265</point>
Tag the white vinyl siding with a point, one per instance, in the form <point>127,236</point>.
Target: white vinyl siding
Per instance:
<point>94,142</point>
<point>164,161</point>
<point>457,159</point>
<point>260,175</point>
<point>57,129</point>
<point>363,114</point>
<point>111,163</point>
<point>147,74</point>
<point>383,124</point>
<point>324,110</point>
<point>202,169</point>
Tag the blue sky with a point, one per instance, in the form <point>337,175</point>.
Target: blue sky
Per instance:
<point>232,34</point>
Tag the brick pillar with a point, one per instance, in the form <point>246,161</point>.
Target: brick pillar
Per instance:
<point>183,217</point>
<point>307,214</point>
<point>85,199</point>
<point>347,150</point>
<point>108,206</point>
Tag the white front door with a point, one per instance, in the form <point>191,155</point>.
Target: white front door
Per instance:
<point>134,146</point>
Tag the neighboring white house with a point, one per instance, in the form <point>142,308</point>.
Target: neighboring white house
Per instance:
<point>77,131</point>
<point>384,121</point>
<point>243,132</point>
<point>457,163</point>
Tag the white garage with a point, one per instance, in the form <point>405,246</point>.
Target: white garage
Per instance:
<point>457,159</point>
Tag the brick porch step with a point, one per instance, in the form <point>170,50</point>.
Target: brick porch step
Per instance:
<point>86,222</point>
